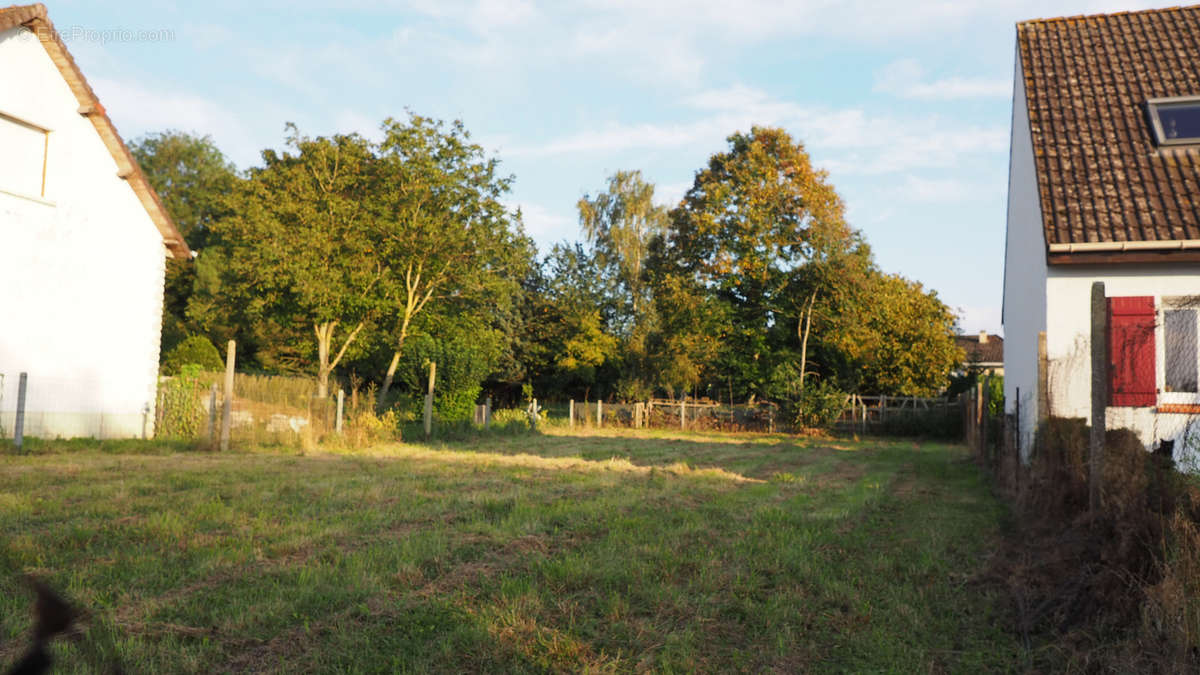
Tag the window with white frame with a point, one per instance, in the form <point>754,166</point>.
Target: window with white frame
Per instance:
<point>23,149</point>
<point>1180,342</point>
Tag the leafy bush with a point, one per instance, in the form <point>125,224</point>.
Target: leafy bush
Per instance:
<point>182,399</point>
<point>464,358</point>
<point>195,350</point>
<point>818,406</point>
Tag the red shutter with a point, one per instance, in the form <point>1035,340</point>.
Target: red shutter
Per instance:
<point>1131,380</point>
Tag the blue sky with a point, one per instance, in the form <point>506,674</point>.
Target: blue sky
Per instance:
<point>907,105</point>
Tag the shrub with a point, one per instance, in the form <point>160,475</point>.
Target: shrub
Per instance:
<point>817,407</point>
<point>195,350</point>
<point>182,399</point>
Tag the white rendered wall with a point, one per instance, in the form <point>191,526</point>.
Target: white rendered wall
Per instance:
<point>81,271</point>
<point>1024,272</point>
<point>1068,343</point>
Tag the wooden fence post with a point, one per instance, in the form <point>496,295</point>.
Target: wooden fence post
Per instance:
<point>487,413</point>
<point>599,413</point>
<point>19,423</point>
<point>429,401</point>
<point>212,418</point>
<point>571,414</point>
<point>533,414</point>
<point>1099,394</point>
<point>985,413</point>
<point>337,424</point>
<point>1043,388</point>
<point>683,413</point>
<point>227,409</point>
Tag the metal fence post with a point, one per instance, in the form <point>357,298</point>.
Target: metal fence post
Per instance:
<point>19,424</point>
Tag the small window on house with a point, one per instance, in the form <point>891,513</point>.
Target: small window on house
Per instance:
<point>1176,121</point>
<point>1179,350</point>
<point>23,163</point>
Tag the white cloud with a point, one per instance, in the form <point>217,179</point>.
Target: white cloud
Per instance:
<point>846,140</point>
<point>543,224</point>
<point>945,190</point>
<point>906,78</point>
<point>137,108</point>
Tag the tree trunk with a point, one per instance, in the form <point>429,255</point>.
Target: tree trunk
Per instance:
<point>325,365</point>
<point>804,328</point>
<point>391,371</point>
<point>414,302</point>
<point>387,380</point>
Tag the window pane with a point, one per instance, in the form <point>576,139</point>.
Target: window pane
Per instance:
<point>1179,329</point>
<point>1180,121</point>
<point>21,150</point>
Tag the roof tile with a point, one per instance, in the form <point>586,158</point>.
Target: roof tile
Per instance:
<point>1100,176</point>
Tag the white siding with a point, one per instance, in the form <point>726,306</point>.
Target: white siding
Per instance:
<point>1068,341</point>
<point>81,270</point>
<point>1024,271</point>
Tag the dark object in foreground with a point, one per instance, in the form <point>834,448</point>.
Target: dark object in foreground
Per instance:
<point>52,616</point>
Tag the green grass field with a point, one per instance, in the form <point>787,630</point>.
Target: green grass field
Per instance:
<point>619,551</point>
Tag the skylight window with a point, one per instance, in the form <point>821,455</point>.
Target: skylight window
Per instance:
<point>1176,121</point>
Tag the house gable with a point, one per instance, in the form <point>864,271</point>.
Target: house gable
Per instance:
<point>34,18</point>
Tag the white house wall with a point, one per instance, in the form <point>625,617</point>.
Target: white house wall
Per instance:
<point>81,271</point>
<point>1068,342</point>
<point>1024,272</point>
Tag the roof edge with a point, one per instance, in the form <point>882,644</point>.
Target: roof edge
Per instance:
<point>1102,15</point>
<point>1118,246</point>
<point>35,18</point>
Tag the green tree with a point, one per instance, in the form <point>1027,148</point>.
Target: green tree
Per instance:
<point>448,236</point>
<point>304,246</point>
<point>193,179</point>
<point>620,223</point>
<point>759,224</point>
<point>901,342</point>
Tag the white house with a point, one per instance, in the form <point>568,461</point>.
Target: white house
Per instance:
<point>83,244</point>
<point>1104,185</point>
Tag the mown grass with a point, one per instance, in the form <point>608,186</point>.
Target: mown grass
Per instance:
<point>608,551</point>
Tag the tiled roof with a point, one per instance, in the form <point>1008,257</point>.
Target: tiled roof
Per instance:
<point>34,18</point>
<point>1100,175</point>
<point>991,351</point>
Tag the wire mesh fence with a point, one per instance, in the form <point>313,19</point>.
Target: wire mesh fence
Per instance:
<point>57,406</point>
<point>686,414</point>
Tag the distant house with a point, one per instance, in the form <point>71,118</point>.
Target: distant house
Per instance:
<point>1104,185</point>
<point>83,244</point>
<point>985,353</point>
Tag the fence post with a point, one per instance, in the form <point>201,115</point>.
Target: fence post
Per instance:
<point>1043,389</point>
<point>571,415</point>
<point>599,413</point>
<point>985,412</point>
<point>683,413</point>
<point>533,414</point>
<point>337,424</point>
<point>487,413</point>
<point>429,401</point>
<point>212,417</point>
<point>19,424</point>
<point>1099,394</point>
<point>227,410</point>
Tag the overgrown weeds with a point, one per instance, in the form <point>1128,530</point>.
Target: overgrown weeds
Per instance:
<point>1117,589</point>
